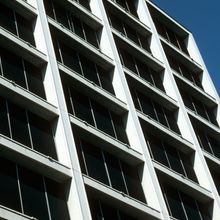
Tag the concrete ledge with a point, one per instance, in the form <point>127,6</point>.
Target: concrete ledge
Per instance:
<point>24,98</point>
<point>181,182</point>
<point>101,95</point>
<point>71,39</point>
<point>167,135</point>
<point>151,90</point>
<point>22,48</point>
<point>33,160</point>
<point>108,143</point>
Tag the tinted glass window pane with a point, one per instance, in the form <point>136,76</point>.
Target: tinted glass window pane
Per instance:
<point>144,71</point>
<point>116,23</point>
<point>77,26</point>
<point>7,20</point>
<point>35,80</point>
<point>160,114</point>
<point>13,68</point>
<point>109,213</point>
<point>131,34</point>
<point>42,136</point>
<point>132,7</point>
<point>147,106</point>
<point>25,29</point>
<point>106,81</point>
<point>190,207</point>
<point>204,211</point>
<point>57,200</point>
<point>172,121</point>
<point>128,61</point>
<point>49,8</point>
<point>89,70</point>
<point>4,125</point>
<point>91,36</point>
<point>119,128</point>
<point>19,126</point>
<point>115,173</point>
<point>124,216</point>
<point>158,151</point>
<point>95,209</point>
<point>95,163</point>
<point>133,182</point>
<point>33,194</point>
<point>174,159</point>
<point>174,203</point>
<point>103,119</point>
<point>71,59</point>
<point>85,3</point>
<point>61,15</point>
<point>82,107</point>
<point>9,185</point>
<point>188,166</point>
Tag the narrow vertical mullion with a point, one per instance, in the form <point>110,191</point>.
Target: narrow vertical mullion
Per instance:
<point>210,146</point>
<point>138,100</point>
<point>9,120</point>
<point>29,129</point>
<point>123,177</point>
<point>182,164</point>
<point>113,125</point>
<point>16,23</point>
<point>19,188</point>
<point>60,51</point>
<point>83,156</point>
<point>106,168</point>
<point>80,64</point>
<point>165,152</point>
<point>97,74</point>
<point>92,111</point>
<point>46,198</point>
<point>71,100</point>
<point>179,194</point>
<point>1,67</point>
<point>25,74</point>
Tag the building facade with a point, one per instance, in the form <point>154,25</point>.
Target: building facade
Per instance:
<point>107,112</point>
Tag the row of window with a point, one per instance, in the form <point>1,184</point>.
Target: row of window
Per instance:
<point>26,128</point>
<point>141,69</point>
<point>128,5</point>
<point>200,108</point>
<point>184,207</point>
<point>101,210</point>
<point>95,114</point>
<point>16,24</point>
<point>185,72</point>
<point>83,66</point>
<point>154,110</point>
<point>171,157</point>
<point>30,193</point>
<point>70,21</point>
<point>171,36</point>
<point>129,32</point>
<point>110,170</point>
<point>208,143</point>
<point>22,72</point>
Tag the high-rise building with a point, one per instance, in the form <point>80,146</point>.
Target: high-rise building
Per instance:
<point>107,113</point>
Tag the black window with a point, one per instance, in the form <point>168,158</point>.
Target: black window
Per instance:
<point>16,24</point>
<point>9,186</point>
<point>110,170</point>
<point>171,157</point>
<point>57,200</point>
<point>30,193</point>
<point>94,162</point>
<point>33,194</point>
<point>96,115</point>
<point>101,210</point>
<point>27,128</point>
<point>42,137</point>
<point>21,72</point>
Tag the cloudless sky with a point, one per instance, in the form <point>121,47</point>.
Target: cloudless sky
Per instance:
<point>202,18</point>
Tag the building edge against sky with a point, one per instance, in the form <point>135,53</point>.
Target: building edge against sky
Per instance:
<point>107,112</point>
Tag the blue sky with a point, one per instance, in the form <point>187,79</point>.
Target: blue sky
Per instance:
<point>202,18</point>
